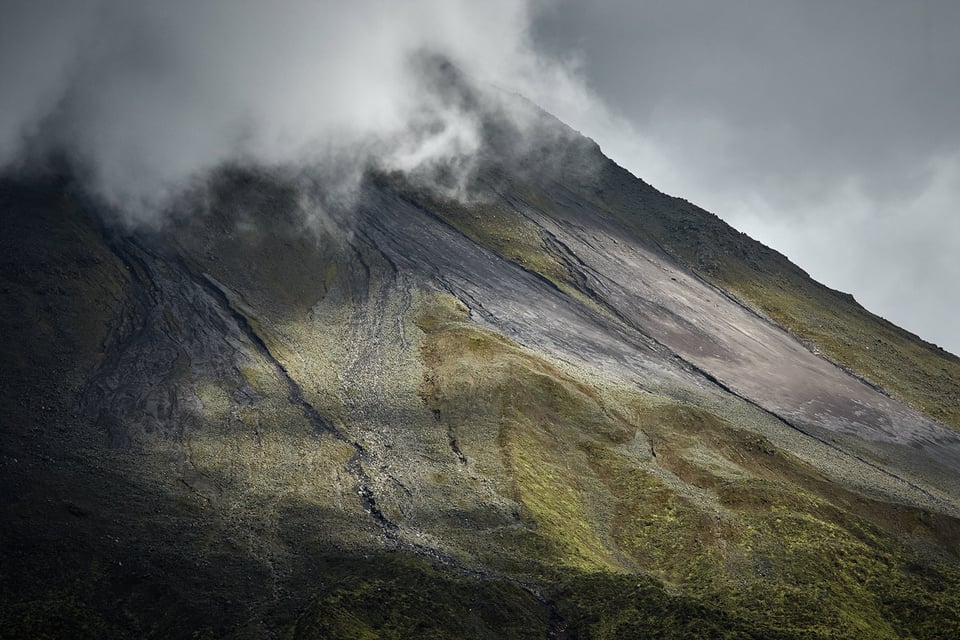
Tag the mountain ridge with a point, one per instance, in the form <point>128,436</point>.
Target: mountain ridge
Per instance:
<point>556,403</point>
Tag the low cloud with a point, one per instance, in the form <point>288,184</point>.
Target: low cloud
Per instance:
<point>149,96</point>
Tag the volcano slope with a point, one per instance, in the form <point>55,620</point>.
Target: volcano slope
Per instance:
<point>561,404</point>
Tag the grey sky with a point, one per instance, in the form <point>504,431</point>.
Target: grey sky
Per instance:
<point>828,130</point>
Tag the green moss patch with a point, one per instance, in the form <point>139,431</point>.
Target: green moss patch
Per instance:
<point>712,509</point>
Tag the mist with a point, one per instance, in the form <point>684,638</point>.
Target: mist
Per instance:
<point>147,97</point>
<point>824,132</point>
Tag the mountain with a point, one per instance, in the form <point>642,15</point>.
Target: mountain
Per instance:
<point>545,401</point>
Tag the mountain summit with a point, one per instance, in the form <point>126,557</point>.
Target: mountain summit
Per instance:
<point>517,394</point>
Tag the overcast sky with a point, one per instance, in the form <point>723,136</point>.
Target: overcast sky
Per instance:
<point>829,130</point>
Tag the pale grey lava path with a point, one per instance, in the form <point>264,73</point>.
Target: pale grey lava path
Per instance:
<point>754,357</point>
<point>702,338</point>
<point>516,302</point>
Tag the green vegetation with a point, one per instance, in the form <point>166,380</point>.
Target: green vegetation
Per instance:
<point>718,513</point>
<point>538,413</point>
<point>506,232</point>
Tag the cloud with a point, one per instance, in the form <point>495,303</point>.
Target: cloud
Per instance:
<point>148,95</point>
<point>826,131</point>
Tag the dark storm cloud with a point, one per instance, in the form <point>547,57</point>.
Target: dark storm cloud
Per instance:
<point>825,129</point>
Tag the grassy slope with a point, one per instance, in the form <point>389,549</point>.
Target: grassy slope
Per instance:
<point>831,580</point>
<point>719,513</point>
